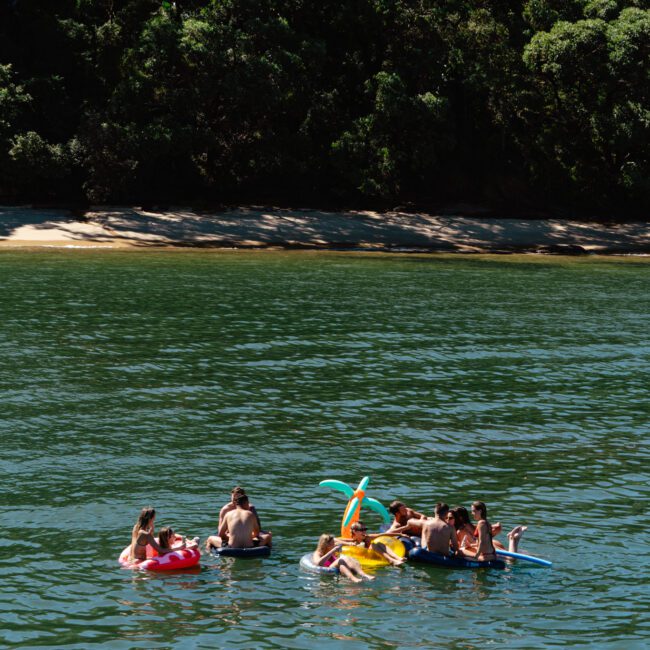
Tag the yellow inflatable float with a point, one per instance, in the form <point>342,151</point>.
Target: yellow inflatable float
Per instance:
<point>368,558</point>
<point>356,498</point>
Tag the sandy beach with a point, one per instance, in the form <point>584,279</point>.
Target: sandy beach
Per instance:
<point>122,227</point>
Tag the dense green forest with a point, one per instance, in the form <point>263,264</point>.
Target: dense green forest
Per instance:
<point>518,103</point>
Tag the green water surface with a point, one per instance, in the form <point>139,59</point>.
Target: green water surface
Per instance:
<point>166,377</point>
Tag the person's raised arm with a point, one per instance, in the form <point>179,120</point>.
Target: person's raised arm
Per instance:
<point>151,541</point>
<point>388,533</point>
<point>414,514</point>
<point>329,554</point>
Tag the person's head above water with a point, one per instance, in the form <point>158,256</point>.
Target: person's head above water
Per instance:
<point>358,527</point>
<point>479,509</point>
<point>145,519</point>
<point>395,507</point>
<point>166,536</point>
<point>441,510</point>
<point>325,543</point>
<point>236,491</point>
<point>450,517</point>
<point>462,516</point>
<point>241,500</point>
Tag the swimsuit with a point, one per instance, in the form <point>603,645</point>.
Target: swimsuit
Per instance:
<point>330,560</point>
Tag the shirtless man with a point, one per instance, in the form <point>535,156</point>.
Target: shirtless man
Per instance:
<point>437,535</point>
<point>239,527</point>
<point>265,536</point>
<point>407,521</point>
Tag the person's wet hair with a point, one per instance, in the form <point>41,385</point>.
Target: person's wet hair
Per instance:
<point>462,516</point>
<point>146,515</point>
<point>394,507</point>
<point>323,542</point>
<point>241,500</point>
<point>166,536</point>
<point>481,507</point>
<point>441,510</point>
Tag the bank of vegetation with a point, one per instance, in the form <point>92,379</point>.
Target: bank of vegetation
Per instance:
<point>521,103</point>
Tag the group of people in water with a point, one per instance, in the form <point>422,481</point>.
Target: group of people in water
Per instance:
<point>239,527</point>
<point>449,532</point>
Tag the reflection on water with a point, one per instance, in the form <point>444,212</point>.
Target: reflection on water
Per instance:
<point>131,379</point>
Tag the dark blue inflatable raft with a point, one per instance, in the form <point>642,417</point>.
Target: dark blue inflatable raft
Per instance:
<point>418,554</point>
<point>255,551</point>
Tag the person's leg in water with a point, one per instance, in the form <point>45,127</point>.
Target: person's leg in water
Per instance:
<point>383,550</point>
<point>356,568</point>
<point>345,570</point>
<point>265,538</point>
<point>514,536</point>
<point>214,541</point>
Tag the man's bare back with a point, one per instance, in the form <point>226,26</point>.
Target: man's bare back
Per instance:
<point>437,536</point>
<point>239,527</point>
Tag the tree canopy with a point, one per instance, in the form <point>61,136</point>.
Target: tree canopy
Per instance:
<point>523,103</point>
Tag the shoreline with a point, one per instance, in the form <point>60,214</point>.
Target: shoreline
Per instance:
<point>306,229</point>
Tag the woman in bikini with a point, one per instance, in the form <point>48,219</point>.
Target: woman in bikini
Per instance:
<point>142,536</point>
<point>484,547</point>
<point>325,556</point>
<point>466,533</point>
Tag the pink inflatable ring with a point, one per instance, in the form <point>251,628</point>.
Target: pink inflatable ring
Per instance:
<point>182,558</point>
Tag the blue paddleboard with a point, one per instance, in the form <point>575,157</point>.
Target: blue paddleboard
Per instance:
<point>523,556</point>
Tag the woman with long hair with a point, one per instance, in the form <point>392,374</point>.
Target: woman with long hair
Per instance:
<point>325,556</point>
<point>142,536</point>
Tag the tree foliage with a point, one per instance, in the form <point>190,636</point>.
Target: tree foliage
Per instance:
<point>526,102</point>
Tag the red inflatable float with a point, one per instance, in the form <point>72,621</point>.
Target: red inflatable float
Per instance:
<point>182,558</point>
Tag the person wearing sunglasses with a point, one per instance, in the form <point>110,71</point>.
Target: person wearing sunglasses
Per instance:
<point>360,537</point>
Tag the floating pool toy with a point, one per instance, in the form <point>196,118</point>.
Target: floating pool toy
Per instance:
<point>182,558</point>
<point>254,551</point>
<point>369,558</point>
<point>419,554</point>
<point>356,499</point>
<point>523,556</point>
<point>307,563</point>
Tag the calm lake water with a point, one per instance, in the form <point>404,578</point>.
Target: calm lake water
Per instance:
<point>165,378</point>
